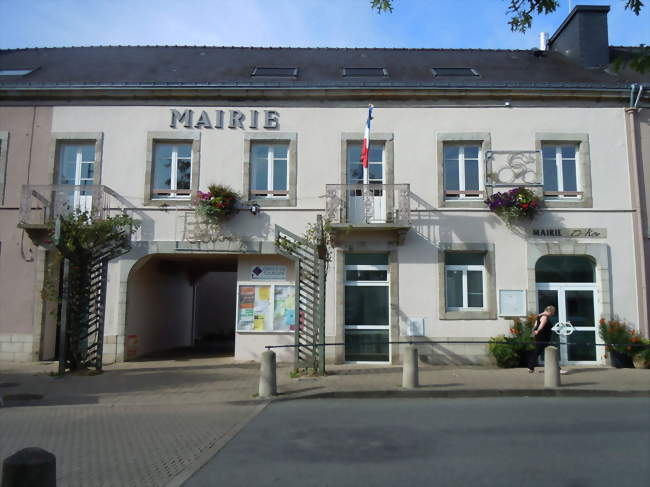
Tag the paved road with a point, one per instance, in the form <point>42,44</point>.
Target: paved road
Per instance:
<point>559,442</point>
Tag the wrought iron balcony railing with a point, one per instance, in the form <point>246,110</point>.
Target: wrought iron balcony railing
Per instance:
<point>368,204</point>
<point>43,203</point>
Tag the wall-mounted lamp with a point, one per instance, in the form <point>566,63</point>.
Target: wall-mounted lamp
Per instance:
<point>254,209</point>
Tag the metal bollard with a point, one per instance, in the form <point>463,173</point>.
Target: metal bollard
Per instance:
<point>29,467</point>
<point>551,367</point>
<point>268,382</point>
<point>410,368</point>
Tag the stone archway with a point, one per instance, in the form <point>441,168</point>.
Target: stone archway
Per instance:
<point>598,252</point>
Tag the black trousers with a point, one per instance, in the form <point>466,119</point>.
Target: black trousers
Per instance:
<point>541,342</point>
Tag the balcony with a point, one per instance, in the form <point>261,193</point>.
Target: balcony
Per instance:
<point>368,207</point>
<point>42,204</point>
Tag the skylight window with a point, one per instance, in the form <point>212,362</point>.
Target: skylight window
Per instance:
<point>364,72</point>
<point>441,72</point>
<point>275,72</point>
<point>15,71</point>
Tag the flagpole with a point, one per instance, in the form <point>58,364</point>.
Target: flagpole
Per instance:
<point>366,147</point>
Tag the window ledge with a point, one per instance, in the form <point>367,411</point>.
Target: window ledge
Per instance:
<point>264,202</point>
<point>468,315</point>
<point>169,202</point>
<point>465,203</point>
<point>568,203</point>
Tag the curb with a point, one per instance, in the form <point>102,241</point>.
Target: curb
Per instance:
<point>473,393</point>
<point>184,475</point>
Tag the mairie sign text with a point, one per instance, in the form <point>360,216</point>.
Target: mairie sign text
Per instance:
<point>219,119</point>
<point>569,232</point>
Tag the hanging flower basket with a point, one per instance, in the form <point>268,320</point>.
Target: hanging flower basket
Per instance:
<point>216,205</point>
<point>514,205</point>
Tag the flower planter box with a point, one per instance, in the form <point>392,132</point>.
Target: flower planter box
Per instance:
<point>621,360</point>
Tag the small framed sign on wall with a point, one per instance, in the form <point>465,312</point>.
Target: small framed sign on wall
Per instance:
<point>512,302</point>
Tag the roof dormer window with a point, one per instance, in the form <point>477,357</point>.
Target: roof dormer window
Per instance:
<point>365,72</point>
<point>274,72</point>
<point>16,71</point>
<point>443,72</point>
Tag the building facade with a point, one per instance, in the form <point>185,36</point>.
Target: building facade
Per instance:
<point>416,253</point>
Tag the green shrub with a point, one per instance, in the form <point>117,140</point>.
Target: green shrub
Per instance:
<point>510,351</point>
<point>502,349</point>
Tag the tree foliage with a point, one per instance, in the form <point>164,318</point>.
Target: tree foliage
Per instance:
<point>524,11</point>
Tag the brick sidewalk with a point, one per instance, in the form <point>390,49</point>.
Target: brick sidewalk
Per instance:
<point>137,424</point>
<point>347,380</point>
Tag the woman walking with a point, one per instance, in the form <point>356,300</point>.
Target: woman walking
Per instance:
<point>542,335</point>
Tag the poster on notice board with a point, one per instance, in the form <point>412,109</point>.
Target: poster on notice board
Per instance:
<point>266,308</point>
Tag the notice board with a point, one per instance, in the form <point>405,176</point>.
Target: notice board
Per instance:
<point>266,307</point>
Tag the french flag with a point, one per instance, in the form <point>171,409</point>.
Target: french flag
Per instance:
<point>366,139</point>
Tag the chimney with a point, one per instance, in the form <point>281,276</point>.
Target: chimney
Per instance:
<point>543,41</point>
<point>582,37</point>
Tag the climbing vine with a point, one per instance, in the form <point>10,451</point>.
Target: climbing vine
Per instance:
<point>80,234</point>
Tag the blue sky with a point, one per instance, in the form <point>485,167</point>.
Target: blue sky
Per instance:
<point>291,23</point>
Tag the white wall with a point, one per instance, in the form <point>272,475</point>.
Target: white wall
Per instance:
<point>415,130</point>
<point>250,345</point>
<point>159,307</point>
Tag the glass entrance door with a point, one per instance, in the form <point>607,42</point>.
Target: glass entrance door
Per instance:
<point>575,303</point>
<point>366,308</point>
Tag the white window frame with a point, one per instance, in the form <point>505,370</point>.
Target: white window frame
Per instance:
<point>82,199</point>
<point>370,163</point>
<point>78,164</point>
<point>465,269</point>
<point>271,192</point>
<point>173,190</point>
<point>560,194</point>
<point>462,192</point>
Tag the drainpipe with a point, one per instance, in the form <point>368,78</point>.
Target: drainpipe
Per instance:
<point>639,217</point>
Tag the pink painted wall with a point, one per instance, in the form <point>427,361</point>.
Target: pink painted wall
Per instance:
<point>27,162</point>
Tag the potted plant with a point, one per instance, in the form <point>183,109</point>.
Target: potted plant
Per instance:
<point>641,352</point>
<point>216,205</point>
<point>514,205</point>
<point>618,341</point>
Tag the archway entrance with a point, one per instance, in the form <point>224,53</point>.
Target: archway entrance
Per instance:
<point>182,306</point>
<point>568,283</point>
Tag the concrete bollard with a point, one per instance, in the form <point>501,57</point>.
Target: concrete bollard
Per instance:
<point>268,381</point>
<point>551,367</point>
<point>29,467</point>
<point>410,368</point>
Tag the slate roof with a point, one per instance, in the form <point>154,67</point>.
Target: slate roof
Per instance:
<point>183,66</point>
